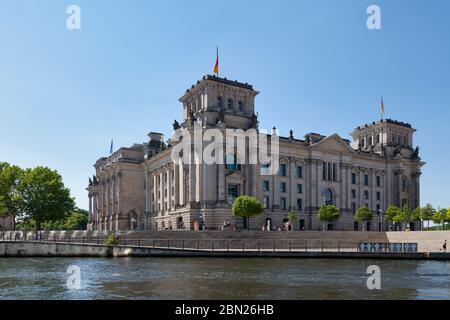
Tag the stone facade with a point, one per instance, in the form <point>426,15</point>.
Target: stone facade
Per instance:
<point>142,188</point>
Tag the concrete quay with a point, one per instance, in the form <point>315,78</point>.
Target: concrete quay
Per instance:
<point>65,249</point>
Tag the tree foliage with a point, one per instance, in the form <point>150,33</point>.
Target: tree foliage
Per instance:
<point>246,206</point>
<point>10,198</point>
<point>329,213</point>
<point>391,213</point>
<point>292,216</point>
<point>416,215</point>
<point>427,212</point>
<point>74,220</point>
<point>44,196</point>
<point>441,216</point>
<point>364,214</point>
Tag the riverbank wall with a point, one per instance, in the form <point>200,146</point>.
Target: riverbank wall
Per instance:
<point>428,241</point>
<point>52,250</point>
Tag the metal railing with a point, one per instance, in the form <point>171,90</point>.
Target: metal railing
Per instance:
<point>218,245</point>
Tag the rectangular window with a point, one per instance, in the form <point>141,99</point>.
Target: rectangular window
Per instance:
<point>265,169</point>
<point>266,202</point>
<point>378,181</point>
<point>266,185</point>
<point>230,162</point>
<point>378,208</point>
<point>329,172</point>
<point>282,170</point>
<point>353,194</point>
<point>378,196</point>
<point>334,172</point>
<point>300,188</point>
<point>366,195</point>
<point>353,207</point>
<point>300,204</point>
<point>283,187</point>
<point>299,172</point>
<point>366,180</point>
<point>353,178</point>
<point>283,203</point>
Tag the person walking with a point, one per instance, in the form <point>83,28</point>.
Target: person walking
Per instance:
<point>444,246</point>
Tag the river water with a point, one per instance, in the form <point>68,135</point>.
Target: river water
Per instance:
<point>214,278</point>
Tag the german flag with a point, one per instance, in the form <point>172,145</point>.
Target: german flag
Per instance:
<point>216,66</point>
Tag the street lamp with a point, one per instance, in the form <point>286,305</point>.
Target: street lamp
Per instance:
<point>380,212</point>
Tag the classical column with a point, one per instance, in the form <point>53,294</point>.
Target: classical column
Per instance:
<point>149,191</point>
<point>255,185</point>
<point>162,183</point>
<point>181,184</point>
<point>417,198</point>
<point>192,184</point>
<point>221,182</point>
<point>198,179</point>
<point>90,219</point>
<point>176,181</point>
<point>170,181</point>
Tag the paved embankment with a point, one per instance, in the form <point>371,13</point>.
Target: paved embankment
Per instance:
<point>427,241</point>
<point>60,249</point>
<point>52,249</point>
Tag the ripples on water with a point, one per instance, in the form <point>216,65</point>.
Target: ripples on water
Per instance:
<point>198,278</point>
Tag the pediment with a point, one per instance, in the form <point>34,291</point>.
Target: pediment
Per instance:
<point>333,143</point>
<point>235,177</point>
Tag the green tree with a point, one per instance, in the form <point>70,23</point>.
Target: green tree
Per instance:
<point>416,216</point>
<point>44,196</point>
<point>427,213</point>
<point>403,217</point>
<point>391,213</point>
<point>328,213</point>
<point>292,216</point>
<point>77,220</point>
<point>246,206</point>
<point>440,217</point>
<point>10,197</point>
<point>364,214</point>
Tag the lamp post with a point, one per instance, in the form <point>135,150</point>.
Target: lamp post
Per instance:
<point>380,212</point>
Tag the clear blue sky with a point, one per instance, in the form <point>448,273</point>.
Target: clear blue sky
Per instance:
<point>65,94</point>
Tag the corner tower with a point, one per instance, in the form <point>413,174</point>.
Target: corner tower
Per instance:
<point>216,100</point>
<point>385,137</point>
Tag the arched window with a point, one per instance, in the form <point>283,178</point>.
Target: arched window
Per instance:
<point>241,106</point>
<point>327,196</point>
<point>230,104</point>
<point>219,102</point>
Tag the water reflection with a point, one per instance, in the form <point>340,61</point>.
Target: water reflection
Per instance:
<point>188,278</point>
